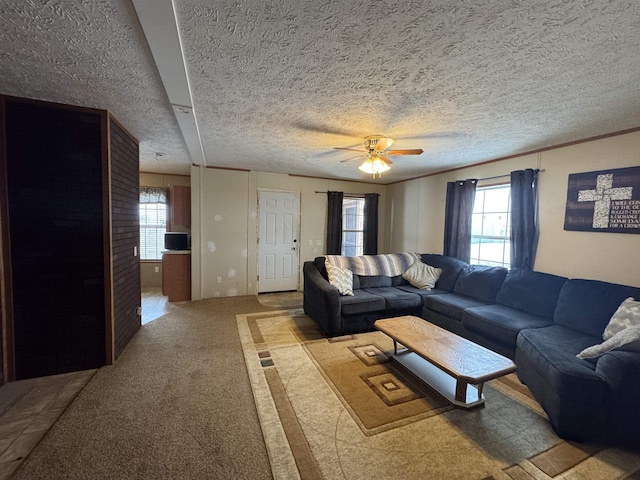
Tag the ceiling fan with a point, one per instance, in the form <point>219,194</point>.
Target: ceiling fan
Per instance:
<point>377,156</point>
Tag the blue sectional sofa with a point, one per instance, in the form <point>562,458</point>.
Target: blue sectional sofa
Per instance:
<point>538,319</point>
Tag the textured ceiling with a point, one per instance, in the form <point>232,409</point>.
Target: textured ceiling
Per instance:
<point>276,85</point>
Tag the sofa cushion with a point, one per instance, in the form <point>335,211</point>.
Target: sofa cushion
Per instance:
<point>340,279</point>
<point>361,302</point>
<point>501,324</point>
<point>531,292</point>
<point>396,299</point>
<point>422,276</point>
<point>374,281</point>
<point>419,291</point>
<point>451,268</point>
<point>480,282</point>
<point>552,352</point>
<point>450,304</point>
<point>588,305</point>
<point>627,315</point>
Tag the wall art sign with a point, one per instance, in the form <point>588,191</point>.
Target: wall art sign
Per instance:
<point>604,201</point>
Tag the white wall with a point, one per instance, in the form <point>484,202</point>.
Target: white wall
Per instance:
<point>224,232</point>
<point>416,211</point>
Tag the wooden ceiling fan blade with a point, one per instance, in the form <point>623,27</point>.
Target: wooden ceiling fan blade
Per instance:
<point>384,143</point>
<point>386,160</point>
<point>351,159</point>
<point>350,149</point>
<point>410,151</point>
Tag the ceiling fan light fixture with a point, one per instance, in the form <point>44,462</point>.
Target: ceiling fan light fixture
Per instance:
<point>374,165</point>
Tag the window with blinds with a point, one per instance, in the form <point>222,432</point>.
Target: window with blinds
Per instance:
<point>153,222</point>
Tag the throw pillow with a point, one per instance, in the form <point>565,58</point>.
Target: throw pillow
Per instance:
<point>627,315</point>
<point>422,276</point>
<point>627,339</point>
<point>341,279</point>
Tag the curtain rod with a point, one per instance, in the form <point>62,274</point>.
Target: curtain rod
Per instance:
<point>352,194</point>
<point>502,176</point>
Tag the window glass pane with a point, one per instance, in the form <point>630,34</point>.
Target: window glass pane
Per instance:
<point>478,204</point>
<point>496,199</point>
<point>490,243</point>
<point>352,243</point>
<point>475,248</point>
<point>492,251</point>
<point>494,224</point>
<point>352,226</point>
<point>476,224</point>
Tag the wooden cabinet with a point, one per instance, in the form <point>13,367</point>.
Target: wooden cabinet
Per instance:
<point>176,276</point>
<point>180,205</point>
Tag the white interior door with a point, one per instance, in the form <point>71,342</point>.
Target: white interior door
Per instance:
<point>278,241</point>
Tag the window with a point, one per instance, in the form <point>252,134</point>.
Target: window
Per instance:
<point>153,222</point>
<point>352,226</point>
<point>491,226</point>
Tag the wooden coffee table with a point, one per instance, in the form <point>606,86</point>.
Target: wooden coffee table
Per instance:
<point>454,366</point>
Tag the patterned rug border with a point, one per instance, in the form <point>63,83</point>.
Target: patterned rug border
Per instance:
<point>283,462</point>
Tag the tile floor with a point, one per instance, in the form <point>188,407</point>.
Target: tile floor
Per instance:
<point>154,305</point>
<point>28,408</point>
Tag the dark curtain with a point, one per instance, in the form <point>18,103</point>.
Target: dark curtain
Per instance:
<point>524,222</point>
<point>371,224</point>
<point>334,223</point>
<point>457,221</point>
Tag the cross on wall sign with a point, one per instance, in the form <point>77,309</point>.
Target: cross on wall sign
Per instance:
<point>604,201</point>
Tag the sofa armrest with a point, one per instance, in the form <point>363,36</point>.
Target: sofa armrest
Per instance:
<point>619,368</point>
<point>321,300</point>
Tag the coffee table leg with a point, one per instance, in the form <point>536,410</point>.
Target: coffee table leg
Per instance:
<point>480,385</point>
<point>461,391</point>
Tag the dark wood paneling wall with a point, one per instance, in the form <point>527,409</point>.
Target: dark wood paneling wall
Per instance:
<point>5,303</point>
<point>125,198</point>
<point>72,222</point>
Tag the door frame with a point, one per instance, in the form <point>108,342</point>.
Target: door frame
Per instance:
<point>274,190</point>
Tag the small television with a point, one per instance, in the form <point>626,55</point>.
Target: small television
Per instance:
<point>177,241</point>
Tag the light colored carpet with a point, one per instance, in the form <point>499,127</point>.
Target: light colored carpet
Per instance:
<point>324,414</point>
<point>177,404</point>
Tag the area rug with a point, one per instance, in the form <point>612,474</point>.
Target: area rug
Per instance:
<point>341,409</point>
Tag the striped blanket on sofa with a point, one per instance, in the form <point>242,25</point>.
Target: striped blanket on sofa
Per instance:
<point>388,264</point>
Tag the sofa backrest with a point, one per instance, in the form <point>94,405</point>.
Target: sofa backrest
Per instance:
<point>532,292</point>
<point>588,305</point>
<point>389,264</point>
<point>319,263</point>
<point>451,268</point>
<point>480,282</point>
<point>371,281</point>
